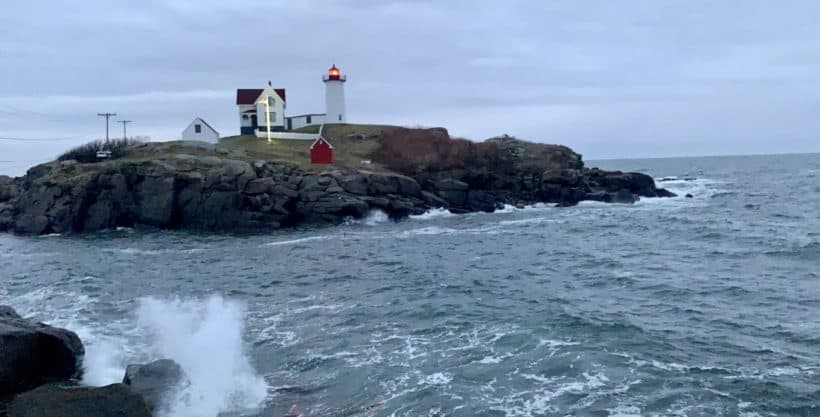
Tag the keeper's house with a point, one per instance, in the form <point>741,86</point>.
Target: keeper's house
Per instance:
<point>256,106</point>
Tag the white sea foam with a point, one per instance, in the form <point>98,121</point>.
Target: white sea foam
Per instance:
<point>698,187</point>
<point>104,361</point>
<point>625,411</point>
<point>432,230</point>
<point>433,214</point>
<point>376,217</point>
<point>438,378</point>
<point>205,338</point>
<point>297,241</point>
<point>151,252</point>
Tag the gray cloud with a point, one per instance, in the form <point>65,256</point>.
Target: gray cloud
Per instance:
<point>610,79</point>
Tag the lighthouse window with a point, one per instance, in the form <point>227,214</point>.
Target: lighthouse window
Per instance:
<point>340,117</point>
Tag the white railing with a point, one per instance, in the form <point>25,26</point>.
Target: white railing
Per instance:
<point>263,134</point>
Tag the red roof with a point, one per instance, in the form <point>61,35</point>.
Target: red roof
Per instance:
<point>249,95</point>
<point>320,141</point>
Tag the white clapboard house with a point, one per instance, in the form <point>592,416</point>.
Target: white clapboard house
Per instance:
<point>200,130</point>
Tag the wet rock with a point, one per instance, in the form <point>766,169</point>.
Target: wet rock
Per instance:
<point>432,200</point>
<point>6,216</point>
<point>454,192</point>
<point>563,177</point>
<point>155,381</point>
<point>8,188</point>
<point>115,400</point>
<point>624,197</point>
<point>662,192</point>
<point>478,200</point>
<point>689,195</point>
<point>35,353</point>
<point>260,186</point>
<point>449,184</point>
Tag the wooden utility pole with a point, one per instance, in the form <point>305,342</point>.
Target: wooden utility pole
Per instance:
<point>107,116</point>
<point>124,122</point>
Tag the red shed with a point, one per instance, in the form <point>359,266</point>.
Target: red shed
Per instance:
<point>321,151</point>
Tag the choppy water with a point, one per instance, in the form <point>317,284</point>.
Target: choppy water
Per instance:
<point>697,307</point>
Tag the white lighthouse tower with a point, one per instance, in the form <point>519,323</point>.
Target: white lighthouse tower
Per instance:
<point>335,95</point>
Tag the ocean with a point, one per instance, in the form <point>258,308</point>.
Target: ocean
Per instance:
<point>702,306</point>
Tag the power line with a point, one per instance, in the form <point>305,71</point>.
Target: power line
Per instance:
<point>124,122</point>
<point>36,139</point>
<point>20,112</point>
<point>107,116</point>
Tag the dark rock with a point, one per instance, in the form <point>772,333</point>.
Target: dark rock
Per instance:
<point>454,192</point>
<point>624,197</point>
<point>388,183</point>
<point>260,186</point>
<point>155,381</point>
<point>283,190</point>
<point>400,207</point>
<point>6,216</point>
<point>564,177</point>
<point>614,181</point>
<point>31,224</point>
<point>601,196</point>
<point>481,201</point>
<point>454,198</point>
<point>354,184</point>
<point>339,206</point>
<point>156,201</point>
<point>449,184</point>
<point>382,203</point>
<point>115,400</point>
<point>35,353</point>
<point>663,192</point>
<point>432,200</point>
<point>689,195</point>
<point>8,189</point>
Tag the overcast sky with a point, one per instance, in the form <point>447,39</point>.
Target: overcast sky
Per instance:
<point>611,79</point>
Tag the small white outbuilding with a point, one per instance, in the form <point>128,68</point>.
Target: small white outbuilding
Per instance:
<point>200,130</point>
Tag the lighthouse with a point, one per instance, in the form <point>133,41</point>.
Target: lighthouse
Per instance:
<point>335,95</point>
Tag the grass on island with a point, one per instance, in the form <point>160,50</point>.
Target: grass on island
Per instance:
<point>352,144</point>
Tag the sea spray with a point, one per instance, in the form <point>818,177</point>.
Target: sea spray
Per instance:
<point>205,337</point>
<point>376,217</point>
<point>103,362</point>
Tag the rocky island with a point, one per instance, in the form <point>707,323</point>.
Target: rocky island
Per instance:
<point>247,184</point>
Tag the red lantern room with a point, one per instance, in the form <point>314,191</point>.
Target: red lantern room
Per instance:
<point>334,74</point>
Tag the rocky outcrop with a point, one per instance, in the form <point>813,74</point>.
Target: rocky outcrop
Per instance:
<point>56,401</point>
<point>216,192</point>
<point>33,353</point>
<point>154,381</point>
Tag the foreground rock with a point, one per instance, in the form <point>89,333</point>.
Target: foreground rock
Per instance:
<point>202,191</point>
<point>155,381</point>
<point>32,354</point>
<point>115,400</point>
